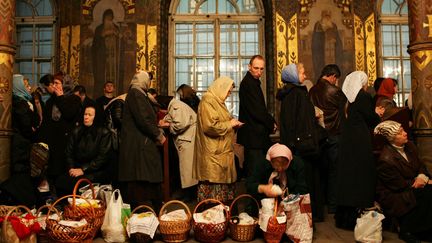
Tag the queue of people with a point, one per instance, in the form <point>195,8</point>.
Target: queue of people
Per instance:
<point>115,140</point>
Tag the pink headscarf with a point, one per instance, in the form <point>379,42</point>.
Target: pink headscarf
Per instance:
<point>279,150</point>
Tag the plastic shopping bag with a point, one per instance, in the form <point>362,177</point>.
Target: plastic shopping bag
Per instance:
<point>369,227</point>
<point>112,227</point>
<point>299,218</point>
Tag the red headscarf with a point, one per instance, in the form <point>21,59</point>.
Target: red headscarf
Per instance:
<point>387,88</point>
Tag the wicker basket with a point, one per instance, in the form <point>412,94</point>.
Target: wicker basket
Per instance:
<point>140,237</point>
<point>175,231</point>
<point>7,226</point>
<point>210,233</point>
<point>74,212</point>
<point>66,234</point>
<point>4,210</point>
<point>243,232</point>
<point>42,236</point>
<point>275,230</point>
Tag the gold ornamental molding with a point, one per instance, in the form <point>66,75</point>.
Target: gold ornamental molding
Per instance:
<point>146,53</point>
<point>359,45</point>
<point>70,50</point>
<point>286,44</point>
<point>370,48</point>
<point>428,25</point>
<point>88,5</point>
<point>421,58</point>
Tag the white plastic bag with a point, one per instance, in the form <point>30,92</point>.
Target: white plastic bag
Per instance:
<point>112,227</point>
<point>369,227</point>
<point>299,218</point>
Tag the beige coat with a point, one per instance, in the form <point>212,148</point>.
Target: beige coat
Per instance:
<point>215,136</point>
<point>182,121</point>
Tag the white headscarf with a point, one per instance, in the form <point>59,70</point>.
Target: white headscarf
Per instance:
<point>141,80</point>
<point>353,83</point>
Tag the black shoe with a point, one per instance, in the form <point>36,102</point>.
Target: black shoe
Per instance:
<point>408,237</point>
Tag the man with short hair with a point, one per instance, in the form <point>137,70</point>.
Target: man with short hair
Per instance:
<point>327,96</point>
<point>109,94</point>
<point>258,123</point>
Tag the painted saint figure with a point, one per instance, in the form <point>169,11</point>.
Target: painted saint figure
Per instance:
<point>105,50</point>
<point>326,43</point>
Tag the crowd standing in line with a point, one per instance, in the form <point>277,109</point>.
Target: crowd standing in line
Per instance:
<point>115,140</point>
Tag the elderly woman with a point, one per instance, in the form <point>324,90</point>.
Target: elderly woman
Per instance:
<point>279,168</point>
<point>404,190</point>
<point>140,163</point>
<point>385,94</point>
<point>300,131</point>
<point>87,153</point>
<point>214,166</point>
<point>356,175</point>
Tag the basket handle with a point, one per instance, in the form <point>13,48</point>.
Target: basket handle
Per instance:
<point>210,200</point>
<point>52,207</point>
<point>243,196</point>
<point>141,207</point>
<point>41,208</point>
<point>9,214</point>
<point>76,188</point>
<point>175,202</point>
<point>275,207</point>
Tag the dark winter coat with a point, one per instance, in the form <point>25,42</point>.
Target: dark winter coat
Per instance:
<point>356,173</point>
<point>55,133</point>
<point>297,119</point>
<point>258,123</point>
<point>89,148</point>
<point>395,178</point>
<point>139,157</point>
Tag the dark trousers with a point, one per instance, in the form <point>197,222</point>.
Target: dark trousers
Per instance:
<point>329,170</point>
<point>252,157</point>
<point>313,182</point>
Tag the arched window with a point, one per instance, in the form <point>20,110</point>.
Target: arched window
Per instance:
<point>394,43</point>
<point>213,38</point>
<point>34,38</point>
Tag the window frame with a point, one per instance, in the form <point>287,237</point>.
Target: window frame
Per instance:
<point>216,20</point>
<point>398,20</point>
<point>36,22</point>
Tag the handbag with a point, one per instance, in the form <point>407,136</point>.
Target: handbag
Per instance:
<point>39,155</point>
<point>299,218</point>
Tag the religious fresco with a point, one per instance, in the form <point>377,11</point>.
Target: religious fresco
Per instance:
<point>326,38</point>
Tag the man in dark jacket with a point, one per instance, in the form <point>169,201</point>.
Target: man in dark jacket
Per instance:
<point>60,117</point>
<point>254,135</point>
<point>331,100</point>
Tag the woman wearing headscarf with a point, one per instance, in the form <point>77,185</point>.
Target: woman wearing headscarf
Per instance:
<point>20,187</point>
<point>279,168</point>
<point>214,166</point>
<point>88,153</point>
<point>356,175</point>
<point>24,120</point>
<point>300,131</point>
<point>404,187</point>
<point>385,94</point>
<point>140,163</point>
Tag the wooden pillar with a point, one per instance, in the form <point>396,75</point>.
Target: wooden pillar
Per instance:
<point>7,52</point>
<point>420,49</point>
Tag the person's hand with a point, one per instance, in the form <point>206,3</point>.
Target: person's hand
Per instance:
<point>163,123</point>
<point>76,172</point>
<point>58,90</point>
<point>419,183</point>
<point>236,123</point>
<point>380,110</point>
<point>161,140</point>
<point>267,190</point>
